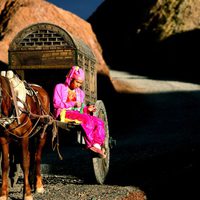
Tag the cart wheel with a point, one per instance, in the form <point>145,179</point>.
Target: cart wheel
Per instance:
<point>101,165</point>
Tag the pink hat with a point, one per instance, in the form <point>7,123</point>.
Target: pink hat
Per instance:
<point>75,73</point>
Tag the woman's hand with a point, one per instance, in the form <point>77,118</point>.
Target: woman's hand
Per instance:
<point>78,104</point>
<point>91,108</point>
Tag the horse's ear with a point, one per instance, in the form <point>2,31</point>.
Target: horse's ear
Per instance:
<point>3,73</point>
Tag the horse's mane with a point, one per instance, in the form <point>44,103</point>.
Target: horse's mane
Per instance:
<point>5,96</point>
<point>5,84</point>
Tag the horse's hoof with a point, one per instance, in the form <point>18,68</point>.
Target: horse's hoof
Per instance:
<point>3,197</point>
<point>28,197</point>
<point>40,190</point>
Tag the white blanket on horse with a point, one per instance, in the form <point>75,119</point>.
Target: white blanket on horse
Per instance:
<point>18,86</point>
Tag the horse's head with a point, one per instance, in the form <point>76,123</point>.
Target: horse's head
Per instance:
<point>6,106</point>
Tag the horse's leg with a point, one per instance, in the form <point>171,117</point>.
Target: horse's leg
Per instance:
<point>38,156</point>
<point>14,164</point>
<point>25,167</point>
<point>5,168</point>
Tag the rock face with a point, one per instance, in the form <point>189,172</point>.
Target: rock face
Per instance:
<point>16,15</point>
<point>115,24</point>
<point>171,17</point>
<point>152,38</point>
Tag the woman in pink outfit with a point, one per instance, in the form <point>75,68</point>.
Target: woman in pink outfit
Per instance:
<point>69,97</point>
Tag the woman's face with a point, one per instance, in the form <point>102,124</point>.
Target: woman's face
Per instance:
<point>76,83</point>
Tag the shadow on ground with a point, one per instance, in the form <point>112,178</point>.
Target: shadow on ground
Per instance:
<point>157,142</point>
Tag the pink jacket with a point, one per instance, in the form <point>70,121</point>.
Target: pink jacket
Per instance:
<point>60,98</point>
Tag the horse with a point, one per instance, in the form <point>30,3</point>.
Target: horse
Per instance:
<point>31,122</point>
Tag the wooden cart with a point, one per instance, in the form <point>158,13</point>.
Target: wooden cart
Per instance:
<point>41,53</point>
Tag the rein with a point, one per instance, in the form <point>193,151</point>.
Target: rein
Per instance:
<point>15,102</point>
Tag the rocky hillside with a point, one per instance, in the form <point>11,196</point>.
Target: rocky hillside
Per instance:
<point>154,38</point>
<point>18,14</point>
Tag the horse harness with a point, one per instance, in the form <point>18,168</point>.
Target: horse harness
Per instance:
<point>5,121</point>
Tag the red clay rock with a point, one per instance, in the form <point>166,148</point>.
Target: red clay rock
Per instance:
<point>19,14</point>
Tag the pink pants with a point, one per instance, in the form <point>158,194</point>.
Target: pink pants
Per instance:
<point>93,126</point>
